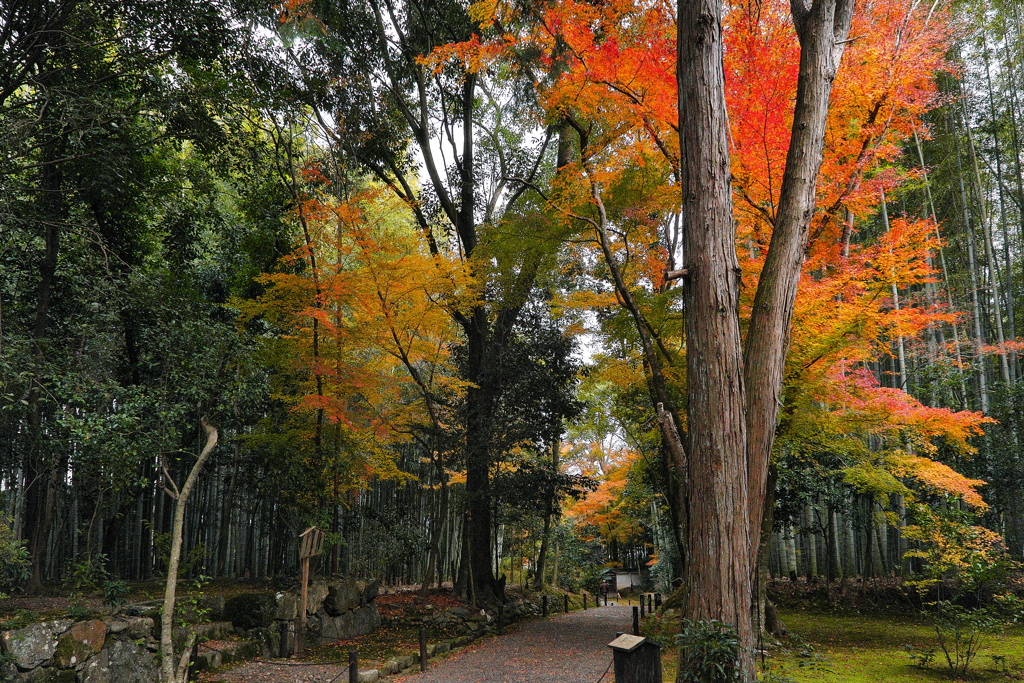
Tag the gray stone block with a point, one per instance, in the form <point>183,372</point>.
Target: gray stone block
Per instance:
<point>31,646</point>
<point>342,597</point>
<point>96,670</point>
<point>131,662</point>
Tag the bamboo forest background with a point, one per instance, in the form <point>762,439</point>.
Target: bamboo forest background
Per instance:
<point>163,165</point>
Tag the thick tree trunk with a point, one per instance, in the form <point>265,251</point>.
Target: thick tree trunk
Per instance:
<point>721,542</point>
<point>733,399</point>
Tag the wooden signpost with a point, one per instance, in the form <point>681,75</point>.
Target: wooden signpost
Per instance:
<point>311,544</point>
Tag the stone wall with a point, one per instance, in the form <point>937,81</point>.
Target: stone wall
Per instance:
<point>336,609</point>
<point>111,650</point>
<point>123,649</point>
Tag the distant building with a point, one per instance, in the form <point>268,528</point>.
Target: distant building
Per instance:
<point>621,580</point>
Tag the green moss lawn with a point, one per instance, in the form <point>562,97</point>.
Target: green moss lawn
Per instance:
<point>852,648</point>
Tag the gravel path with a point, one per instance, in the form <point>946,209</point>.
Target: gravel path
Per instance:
<point>569,648</point>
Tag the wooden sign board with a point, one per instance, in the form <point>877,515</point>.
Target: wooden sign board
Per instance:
<point>626,643</point>
<point>311,542</point>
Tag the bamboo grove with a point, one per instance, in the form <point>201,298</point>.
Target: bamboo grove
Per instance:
<point>422,265</point>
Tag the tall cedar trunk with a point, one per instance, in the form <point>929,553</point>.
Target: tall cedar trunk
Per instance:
<point>718,571</point>
<point>726,472</point>
<point>479,414</point>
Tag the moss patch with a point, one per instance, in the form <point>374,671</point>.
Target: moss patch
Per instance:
<point>852,648</point>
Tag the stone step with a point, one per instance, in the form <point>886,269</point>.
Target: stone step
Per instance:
<point>218,653</point>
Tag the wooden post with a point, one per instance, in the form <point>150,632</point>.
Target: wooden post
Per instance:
<point>657,600</point>
<point>311,544</point>
<point>636,660</point>
<point>353,666</point>
<point>643,604</point>
<point>566,603</point>
<point>636,620</point>
<point>423,648</point>
<point>544,606</point>
<point>584,601</point>
<point>501,619</point>
<point>300,633</point>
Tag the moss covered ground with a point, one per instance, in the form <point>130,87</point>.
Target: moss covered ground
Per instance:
<point>848,647</point>
<point>845,646</point>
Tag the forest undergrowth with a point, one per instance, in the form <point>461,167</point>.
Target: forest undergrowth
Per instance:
<point>875,632</point>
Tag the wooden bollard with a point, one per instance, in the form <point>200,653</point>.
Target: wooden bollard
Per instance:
<point>544,606</point>
<point>650,601</point>
<point>501,619</point>
<point>566,603</point>
<point>353,666</point>
<point>643,602</point>
<point>657,601</point>
<point>423,648</point>
<point>584,601</point>
<point>636,621</point>
<point>636,660</point>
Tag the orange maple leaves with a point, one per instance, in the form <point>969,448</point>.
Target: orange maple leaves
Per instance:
<point>610,72</point>
<point>382,336</point>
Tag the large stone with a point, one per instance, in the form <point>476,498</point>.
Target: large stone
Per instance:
<point>251,610</point>
<point>342,597</point>
<point>287,606</point>
<point>96,670</point>
<point>80,642</point>
<point>140,627</point>
<point>116,625</point>
<point>315,597</point>
<point>213,606</point>
<point>31,646</point>
<point>214,630</point>
<point>357,622</point>
<point>268,640</point>
<point>460,612</point>
<point>131,663</point>
<point>369,589</point>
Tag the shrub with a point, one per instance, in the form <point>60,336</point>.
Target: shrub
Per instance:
<point>14,561</point>
<point>708,652</point>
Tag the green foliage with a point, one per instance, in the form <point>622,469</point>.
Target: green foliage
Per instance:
<point>708,652</point>
<point>77,610</point>
<point>191,608</point>
<point>87,574</point>
<point>961,633</point>
<point>14,562</point>
<point>115,592</point>
<point>919,656</point>
<point>188,563</point>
